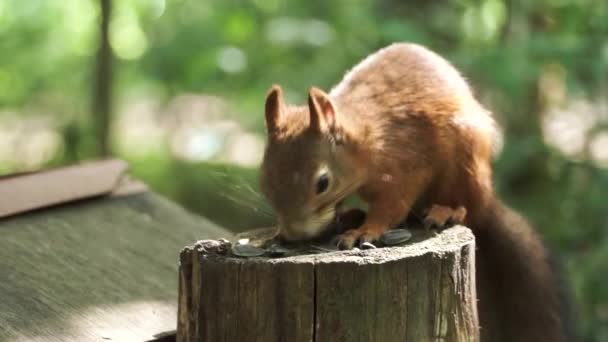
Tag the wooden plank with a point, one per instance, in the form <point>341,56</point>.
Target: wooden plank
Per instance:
<point>25,192</point>
<point>102,268</point>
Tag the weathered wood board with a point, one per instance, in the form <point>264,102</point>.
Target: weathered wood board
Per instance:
<point>98,270</point>
<point>423,291</point>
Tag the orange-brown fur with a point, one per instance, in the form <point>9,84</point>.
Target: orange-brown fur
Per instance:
<point>404,131</point>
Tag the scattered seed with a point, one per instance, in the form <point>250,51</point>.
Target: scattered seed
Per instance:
<point>395,236</point>
<point>247,251</point>
<point>367,245</point>
<point>277,250</point>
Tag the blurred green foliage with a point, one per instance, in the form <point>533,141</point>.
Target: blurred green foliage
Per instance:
<point>522,58</point>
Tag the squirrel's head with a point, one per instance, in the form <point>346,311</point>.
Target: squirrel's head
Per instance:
<point>310,163</point>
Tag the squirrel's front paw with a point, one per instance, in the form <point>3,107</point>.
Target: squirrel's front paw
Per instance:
<point>356,237</point>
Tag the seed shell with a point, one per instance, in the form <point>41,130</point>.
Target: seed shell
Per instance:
<point>277,251</point>
<point>367,245</point>
<point>247,251</point>
<point>395,237</point>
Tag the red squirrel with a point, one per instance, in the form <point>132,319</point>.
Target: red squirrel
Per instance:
<point>404,131</point>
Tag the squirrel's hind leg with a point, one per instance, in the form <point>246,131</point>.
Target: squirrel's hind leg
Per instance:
<point>439,216</point>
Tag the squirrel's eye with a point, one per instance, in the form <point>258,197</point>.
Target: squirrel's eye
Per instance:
<point>322,183</point>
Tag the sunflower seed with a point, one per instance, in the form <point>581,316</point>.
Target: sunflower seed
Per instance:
<point>277,250</point>
<point>247,251</point>
<point>395,236</point>
<point>367,245</point>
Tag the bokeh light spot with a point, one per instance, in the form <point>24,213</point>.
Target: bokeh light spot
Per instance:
<point>127,38</point>
<point>231,59</point>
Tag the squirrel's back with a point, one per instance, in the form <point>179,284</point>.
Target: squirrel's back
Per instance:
<point>417,108</point>
<point>406,66</point>
<point>404,75</point>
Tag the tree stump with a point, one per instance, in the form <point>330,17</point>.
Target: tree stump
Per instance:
<point>422,291</point>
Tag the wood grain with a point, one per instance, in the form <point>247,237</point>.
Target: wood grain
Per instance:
<point>97,270</point>
<point>423,291</point>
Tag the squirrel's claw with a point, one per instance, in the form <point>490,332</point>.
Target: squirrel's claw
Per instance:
<point>356,237</point>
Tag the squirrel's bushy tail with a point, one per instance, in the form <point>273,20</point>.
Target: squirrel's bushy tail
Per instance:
<point>522,296</point>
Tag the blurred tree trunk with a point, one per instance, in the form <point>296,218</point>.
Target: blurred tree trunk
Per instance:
<point>102,91</point>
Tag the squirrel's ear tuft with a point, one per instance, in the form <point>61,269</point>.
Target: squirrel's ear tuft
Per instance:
<point>274,109</point>
<point>323,115</point>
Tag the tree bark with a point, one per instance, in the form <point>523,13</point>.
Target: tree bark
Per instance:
<point>102,92</point>
<point>424,291</point>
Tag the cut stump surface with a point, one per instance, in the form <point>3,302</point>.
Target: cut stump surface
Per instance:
<point>422,291</point>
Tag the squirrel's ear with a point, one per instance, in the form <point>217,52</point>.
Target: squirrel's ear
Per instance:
<point>274,109</point>
<point>323,116</point>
